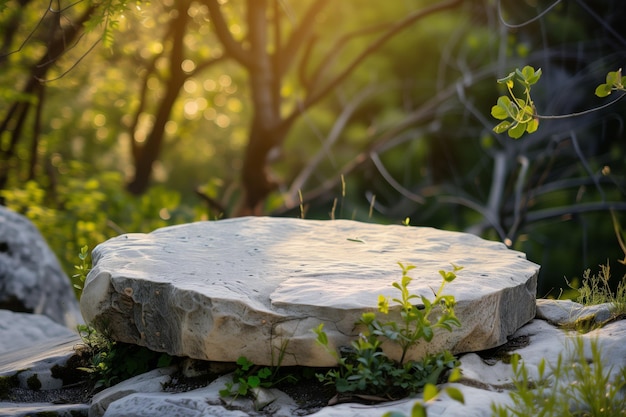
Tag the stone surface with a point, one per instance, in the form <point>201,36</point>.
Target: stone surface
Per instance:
<point>149,382</point>
<point>253,286</point>
<point>22,330</point>
<point>49,346</point>
<point>566,312</point>
<point>31,347</point>
<point>31,279</point>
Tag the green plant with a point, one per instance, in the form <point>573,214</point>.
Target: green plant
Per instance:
<point>82,269</point>
<point>614,82</point>
<point>521,110</point>
<point>596,289</point>
<point>364,368</point>
<point>574,387</point>
<point>111,362</point>
<point>85,209</point>
<point>249,376</point>
<point>518,114</point>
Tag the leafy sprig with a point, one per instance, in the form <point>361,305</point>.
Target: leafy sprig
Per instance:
<point>614,82</point>
<point>517,113</point>
<point>364,368</point>
<point>248,377</point>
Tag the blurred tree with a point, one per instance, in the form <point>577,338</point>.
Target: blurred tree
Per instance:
<point>267,51</point>
<point>56,37</point>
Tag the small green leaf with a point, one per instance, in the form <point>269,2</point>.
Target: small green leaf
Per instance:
<point>516,131</point>
<point>506,79</point>
<point>455,394</point>
<point>533,79</point>
<point>532,126</point>
<point>383,304</point>
<point>502,127</point>
<point>499,112</point>
<point>418,410</point>
<point>603,90</point>
<point>244,363</point>
<point>254,381</point>
<point>613,77</point>
<point>455,375</point>
<point>322,338</point>
<point>430,392</point>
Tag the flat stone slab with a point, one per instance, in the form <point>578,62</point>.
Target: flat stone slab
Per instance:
<point>256,286</point>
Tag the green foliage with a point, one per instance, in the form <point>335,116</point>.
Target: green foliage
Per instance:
<point>573,387</point>
<point>112,362</point>
<point>518,114</point>
<point>520,110</point>
<point>364,368</point>
<point>416,324</point>
<point>106,15</point>
<point>249,376</point>
<point>82,269</point>
<point>596,289</point>
<point>88,208</point>
<point>614,82</point>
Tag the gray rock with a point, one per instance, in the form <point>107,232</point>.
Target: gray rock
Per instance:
<point>21,330</point>
<point>31,279</point>
<point>152,381</point>
<point>570,313</point>
<point>257,286</point>
<point>33,351</point>
<point>42,409</point>
<point>37,359</point>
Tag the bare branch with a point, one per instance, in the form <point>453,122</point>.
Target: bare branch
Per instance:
<point>231,46</point>
<point>556,212</point>
<point>299,36</point>
<point>392,31</point>
<point>341,122</point>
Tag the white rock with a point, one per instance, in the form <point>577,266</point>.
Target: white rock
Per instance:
<point>153,405</point>
<point>149,382</point>
<point>42,409</point>
<point>20,330</point>
<point>31,278</point>
<point>567,312</point>
<point>253,286</point>
<point>31,345</point>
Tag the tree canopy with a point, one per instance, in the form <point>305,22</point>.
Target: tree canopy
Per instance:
<point>124,115</point>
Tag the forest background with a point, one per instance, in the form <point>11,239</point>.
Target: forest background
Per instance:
<point>119,116</point>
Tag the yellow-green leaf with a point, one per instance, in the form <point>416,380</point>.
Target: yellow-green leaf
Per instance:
<point>455,394</point>
<point>455,375</point>
<point>499,113</point>
<point>603,90</point>
<point>502,127</point>
<point>430,392</point>
<point>418,410</point>
<point>516,131</point>
<point>532,126</point>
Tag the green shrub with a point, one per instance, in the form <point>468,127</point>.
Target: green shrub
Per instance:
<point>365,369</point>
<point>111,362</point>
<point>573,387</point>
<point>85,209</point>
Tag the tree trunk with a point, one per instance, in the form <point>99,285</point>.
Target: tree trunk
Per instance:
<point>148,153</point>
<point>265,130</point>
